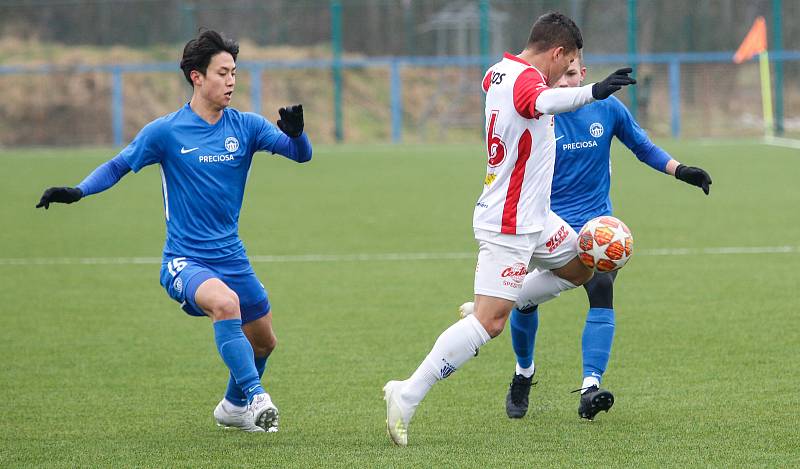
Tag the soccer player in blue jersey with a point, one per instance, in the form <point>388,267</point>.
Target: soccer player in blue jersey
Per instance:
<point>204,150</point>
<point>580,192</point>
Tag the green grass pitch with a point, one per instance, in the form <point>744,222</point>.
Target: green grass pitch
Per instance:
<point>101,369</point>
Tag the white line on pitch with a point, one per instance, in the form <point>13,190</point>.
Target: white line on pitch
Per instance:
<point>782,142</point>
<point>384,257</point>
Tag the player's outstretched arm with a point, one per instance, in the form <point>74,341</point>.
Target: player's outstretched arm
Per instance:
<point>291,121</point>
<point>632,135</point>
<point>297,147</point>
<point>63,195</point>
<point>613,83</point>
<point>658,159</point>
<point>694,176</point>
<point>105,176</point>
<point>558,100</point>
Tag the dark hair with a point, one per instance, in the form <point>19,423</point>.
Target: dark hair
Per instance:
<point>555,30</point>
<point>198,52</point>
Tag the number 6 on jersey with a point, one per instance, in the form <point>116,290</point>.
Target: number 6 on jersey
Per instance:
<point>495,146</point>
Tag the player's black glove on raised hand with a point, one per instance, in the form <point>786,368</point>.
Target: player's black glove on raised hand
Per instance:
<point>694,176</point>
<point>613,83</point>
<point>64,195</point>
<point>291,121</point>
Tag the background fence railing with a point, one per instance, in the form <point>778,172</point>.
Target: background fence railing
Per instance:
<point>670,92</point>
<point>95,71</point>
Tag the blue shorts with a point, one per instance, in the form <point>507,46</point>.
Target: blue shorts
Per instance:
<point>181,276</point>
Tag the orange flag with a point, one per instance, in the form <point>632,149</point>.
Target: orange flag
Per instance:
<point>754,43</point>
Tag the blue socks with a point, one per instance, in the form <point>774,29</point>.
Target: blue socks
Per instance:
<point>237,353</point>
<point>598,334</point>
<point>523,335</point>
<point>234,393</point>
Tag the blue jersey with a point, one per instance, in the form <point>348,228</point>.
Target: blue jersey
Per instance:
<point>582,173</point>
<point>204,168</point>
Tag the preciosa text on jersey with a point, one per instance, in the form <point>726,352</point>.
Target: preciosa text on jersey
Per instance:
<point>577,145</point>
<point>215,158</point>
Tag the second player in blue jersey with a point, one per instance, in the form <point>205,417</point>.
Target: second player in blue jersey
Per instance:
<point>580,192</point>
<point>204,151</point>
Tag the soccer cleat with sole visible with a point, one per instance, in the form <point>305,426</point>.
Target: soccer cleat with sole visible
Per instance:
<point>593,401</point>
<point>240,418</point>
<point>517,397</point>
<point>466,309</point>
<point>265,414</point>
<point>397,418</point>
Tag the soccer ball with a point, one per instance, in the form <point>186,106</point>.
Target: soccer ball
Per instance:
<point>605,244</point>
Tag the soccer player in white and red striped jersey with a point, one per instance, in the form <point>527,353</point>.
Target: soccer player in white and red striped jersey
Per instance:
<point>514,227</point>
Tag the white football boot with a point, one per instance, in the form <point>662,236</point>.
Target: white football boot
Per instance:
<point>230,416</point>
<point>265,414</point>
<point>466,309</point>
<point>398,416</point>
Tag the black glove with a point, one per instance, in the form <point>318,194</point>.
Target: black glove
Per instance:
<point>291,121</point>
<point>614,82</point>
<point>64,195</point>
<point>694,176</point>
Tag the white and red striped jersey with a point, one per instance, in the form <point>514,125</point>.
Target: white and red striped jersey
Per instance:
<point>520,146</point>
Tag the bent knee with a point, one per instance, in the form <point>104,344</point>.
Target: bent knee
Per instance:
<point>225,306</point>
<point>574,272</point>
<point>601,282</point>
<point>494,327</point>
<point>576,277</point>
<point>600,291</point>
<point>265,347</point>
<point>581,277</point>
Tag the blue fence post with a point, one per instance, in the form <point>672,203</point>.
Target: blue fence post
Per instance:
<point>336,39</point>
<point>484,9</point>
<point>633,27</point>
<point>396,91</point>
<point>675,97</point>
<point>117,105</point>
<point>255,88</point>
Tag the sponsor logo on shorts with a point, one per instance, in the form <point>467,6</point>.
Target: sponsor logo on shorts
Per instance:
<point>178,285</point>
<point>557,239</point>
<point>514,275</point>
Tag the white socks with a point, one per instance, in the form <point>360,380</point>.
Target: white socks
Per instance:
<point>233,408</point>
<point>526,372</point>
<point>540,286</point>
<point>588,382</point>
<point>454,347</point>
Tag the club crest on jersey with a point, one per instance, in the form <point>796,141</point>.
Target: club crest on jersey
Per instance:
<point>596,129</point>
<point>231,144</point>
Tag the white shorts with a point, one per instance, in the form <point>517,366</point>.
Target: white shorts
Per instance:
<point>505,259</point>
